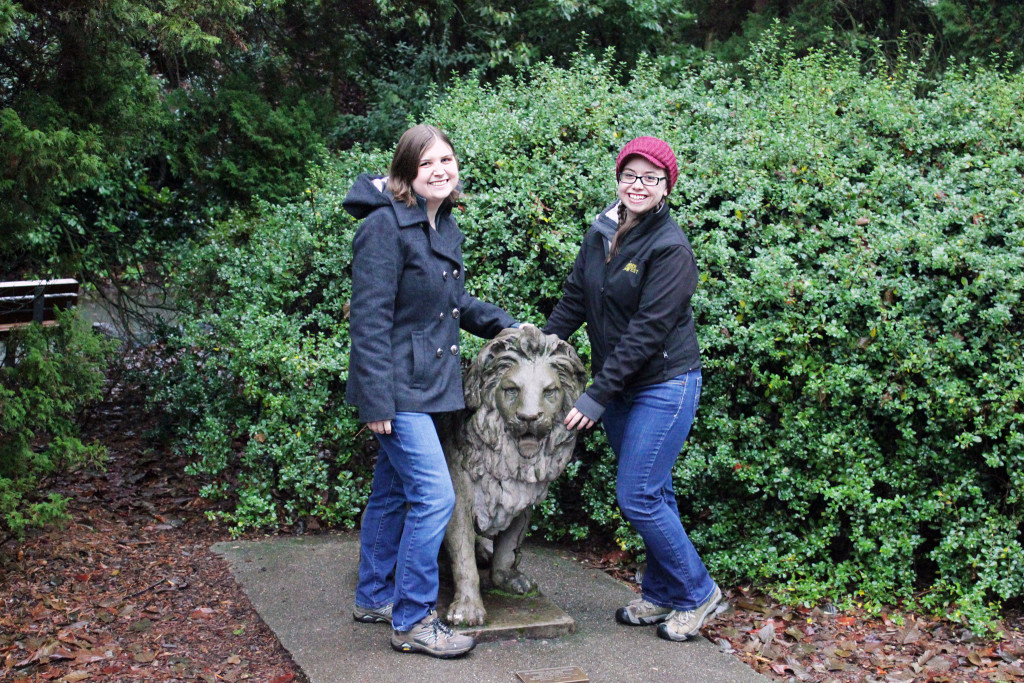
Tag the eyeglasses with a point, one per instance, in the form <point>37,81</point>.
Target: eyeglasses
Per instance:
<point>628,177</point>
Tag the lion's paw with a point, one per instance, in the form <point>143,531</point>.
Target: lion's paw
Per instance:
<point>512,581</point>
<point>465,611</point>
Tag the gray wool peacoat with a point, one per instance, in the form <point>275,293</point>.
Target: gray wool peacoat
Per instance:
<point>408,303</point>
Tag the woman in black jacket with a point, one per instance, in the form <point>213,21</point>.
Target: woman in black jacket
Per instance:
<point>408,304</point>
<point>631,284</point>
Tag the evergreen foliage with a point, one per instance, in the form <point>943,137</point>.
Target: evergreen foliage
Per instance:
<point>127,125</point>
<point>59,371</point>
<point>861,244</point>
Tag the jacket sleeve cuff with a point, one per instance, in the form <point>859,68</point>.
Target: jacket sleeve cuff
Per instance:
<point>589,407</point>
<point>370,414</point>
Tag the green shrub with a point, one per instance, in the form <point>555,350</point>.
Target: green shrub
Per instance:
<point>860,241</point>
<point>861,255</point>
<point>58,372</point>
<point>257,391</point>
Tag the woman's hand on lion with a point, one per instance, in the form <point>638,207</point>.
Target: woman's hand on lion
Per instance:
<point>577,420</point>
<point>380,426</point>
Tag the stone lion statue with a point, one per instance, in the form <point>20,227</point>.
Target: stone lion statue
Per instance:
<point>503,452</point>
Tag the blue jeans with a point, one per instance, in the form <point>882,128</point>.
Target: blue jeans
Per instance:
<point>403,525</point>
<point>647,428</point>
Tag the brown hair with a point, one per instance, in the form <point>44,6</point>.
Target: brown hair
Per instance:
<point>627,221</point>
<point>405,164</point>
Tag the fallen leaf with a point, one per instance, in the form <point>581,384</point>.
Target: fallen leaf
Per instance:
<point>911,635</point>
<point>938,665</point>
<point>794,633</point>
<point>766,634</point>
<point>90,656</point>
<point>835,664</point>
<point>140,626</point>
<point>750,605</point>
<point>1009,670</point>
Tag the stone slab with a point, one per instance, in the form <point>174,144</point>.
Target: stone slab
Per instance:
<point>303,589</point>
<point>512,616</point>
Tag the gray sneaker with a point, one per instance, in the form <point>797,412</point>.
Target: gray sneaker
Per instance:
<point>684,624</point>
<point>375,615</point>
<point>639,612</point>
<point>433,637</point>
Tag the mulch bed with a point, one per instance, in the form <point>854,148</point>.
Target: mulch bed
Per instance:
<point>129,590</point>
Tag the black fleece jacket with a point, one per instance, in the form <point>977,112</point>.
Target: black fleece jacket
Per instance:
<point>636,307</point>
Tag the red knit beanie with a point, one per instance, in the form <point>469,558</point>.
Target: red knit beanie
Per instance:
<point>655,151</point>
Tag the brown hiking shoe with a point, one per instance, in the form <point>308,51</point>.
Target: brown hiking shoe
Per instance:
<point>684,624</point>
<point>640,612</point>
<point>433,637</point>
<point>374,615</point>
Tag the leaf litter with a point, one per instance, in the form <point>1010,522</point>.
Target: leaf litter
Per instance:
<point>129,589</point>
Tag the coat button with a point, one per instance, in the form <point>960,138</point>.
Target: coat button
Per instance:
<point>440,353</point>
<point>441,317</point>
<point>454,350</point>
<point>444,274</point>
<point>455,273</point>
<point>455,313</point>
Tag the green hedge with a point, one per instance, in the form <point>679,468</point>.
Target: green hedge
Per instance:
<point>58,373</point>
<point>860,238</point>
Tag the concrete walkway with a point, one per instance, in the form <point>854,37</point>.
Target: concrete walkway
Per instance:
<point>303,588</point>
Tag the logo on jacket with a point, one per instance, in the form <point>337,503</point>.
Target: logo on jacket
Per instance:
<point>631,268</point>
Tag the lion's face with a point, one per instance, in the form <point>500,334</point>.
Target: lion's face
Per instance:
<point>518,391</point>
<point>529,398</point>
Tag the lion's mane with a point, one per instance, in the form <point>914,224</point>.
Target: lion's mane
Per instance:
<point>504,481</point>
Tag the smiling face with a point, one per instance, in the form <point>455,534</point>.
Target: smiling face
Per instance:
<point>637,197</point>
<point>438,174</point>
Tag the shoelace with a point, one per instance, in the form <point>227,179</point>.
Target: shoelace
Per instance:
<point>439,628</point>
<point>682,616</point>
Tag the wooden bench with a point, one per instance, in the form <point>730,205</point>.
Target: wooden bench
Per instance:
<point>27,301</point>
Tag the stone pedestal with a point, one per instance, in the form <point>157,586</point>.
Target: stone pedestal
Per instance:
<point>513,616</point>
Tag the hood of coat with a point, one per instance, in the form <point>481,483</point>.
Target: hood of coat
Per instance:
<point>369,193</point>
<point>607,222</point>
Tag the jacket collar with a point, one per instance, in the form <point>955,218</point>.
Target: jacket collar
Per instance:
<point>607,222</point>
<point>446,240</point>
<point>409,216</point>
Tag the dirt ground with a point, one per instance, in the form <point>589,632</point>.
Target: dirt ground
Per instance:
<point>129,590</point>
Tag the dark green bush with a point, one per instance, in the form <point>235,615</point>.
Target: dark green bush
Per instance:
<point>861,253</point>
<point>257,392</point>
<point>860,242</point>
<point>59,371</point>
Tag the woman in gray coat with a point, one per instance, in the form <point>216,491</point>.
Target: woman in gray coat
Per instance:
<point>408,304</point>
